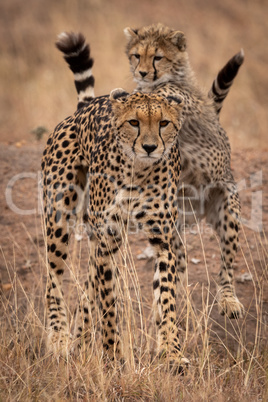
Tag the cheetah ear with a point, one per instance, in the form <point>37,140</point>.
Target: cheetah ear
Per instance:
<point>178,39</point>
<point>118,95</point>
<point>130,33</point>
<point>175,101</point>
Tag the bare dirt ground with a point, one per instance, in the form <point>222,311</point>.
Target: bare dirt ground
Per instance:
<point>23,254</point>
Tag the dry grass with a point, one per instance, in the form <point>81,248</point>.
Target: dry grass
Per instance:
<point>37,90</point>
<point>217,372</point>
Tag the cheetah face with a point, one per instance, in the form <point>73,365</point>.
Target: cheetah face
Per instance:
<point>146,125</point>
<point>155,53</point>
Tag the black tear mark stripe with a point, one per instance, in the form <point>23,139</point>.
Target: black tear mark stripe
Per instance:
<point>134,143</point>
<point>155,71</point>
<point>159,132</point>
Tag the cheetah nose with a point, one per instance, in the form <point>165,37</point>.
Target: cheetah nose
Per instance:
<point>149,148</point>
<point>143,73</point>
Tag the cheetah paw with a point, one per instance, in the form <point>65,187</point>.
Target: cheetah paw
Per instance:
<point>81,344</point>
<point>177,363</point>
<point>231,306</point>
<point>59,343</point>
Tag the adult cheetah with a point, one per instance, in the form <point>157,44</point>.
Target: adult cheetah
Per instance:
<point>123,151</point>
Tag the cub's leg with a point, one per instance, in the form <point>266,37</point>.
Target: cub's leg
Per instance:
<point>224,214</point>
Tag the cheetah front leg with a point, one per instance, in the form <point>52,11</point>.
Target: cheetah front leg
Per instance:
<point>226,220</point>
<point>106,279</point>
<point>180,255</point>
<point>164,284</point>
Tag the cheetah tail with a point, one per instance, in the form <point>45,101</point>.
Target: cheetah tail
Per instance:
<point>224,80</point>
<point>77,55</point>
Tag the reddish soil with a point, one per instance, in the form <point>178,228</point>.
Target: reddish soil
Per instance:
<point>23,252</point>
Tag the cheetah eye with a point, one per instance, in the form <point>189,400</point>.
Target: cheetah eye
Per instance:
<point>157,58</point>
<point>164,123</point>
<point>134,123</point>
<point>137,56</point>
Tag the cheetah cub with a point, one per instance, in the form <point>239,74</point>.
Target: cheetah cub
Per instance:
<point>159,63</point>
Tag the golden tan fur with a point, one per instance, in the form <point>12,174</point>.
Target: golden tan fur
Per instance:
<point>158,54</point>
<point>159,62</point>
<point>125,149</point>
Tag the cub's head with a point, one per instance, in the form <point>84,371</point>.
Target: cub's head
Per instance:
<point>156,54</point>
<point>146,124</point>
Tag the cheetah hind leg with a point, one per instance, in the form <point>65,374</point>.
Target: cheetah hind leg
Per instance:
<point>229,304</point>
<point>86,312</point>
<point>58,337</point>
<point>225,218</point>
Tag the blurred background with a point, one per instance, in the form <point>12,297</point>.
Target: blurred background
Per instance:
<point>37,87</point>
